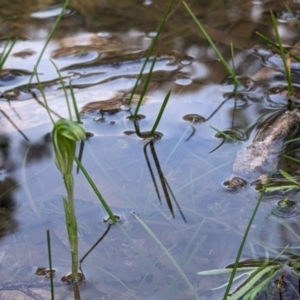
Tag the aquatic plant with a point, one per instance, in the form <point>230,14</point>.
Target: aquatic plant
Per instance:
<point>65,134</point>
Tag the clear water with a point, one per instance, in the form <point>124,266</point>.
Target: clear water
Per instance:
<point>99,47</point>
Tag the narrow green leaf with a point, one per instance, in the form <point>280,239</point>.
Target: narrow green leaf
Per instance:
<point>218,53</point>
<point>237,259</point>
<point>154,41</point>
<point>224,271</point>
<point>4,55</point>
<point>289,177</point>
<point>266,271</point>
<point>74,103</point>
<point>283,57</point>
<point>161,111</point>
<point>48,39</point>
<point>95,189</point>
<point>63,87</point>
<point>143,92</point>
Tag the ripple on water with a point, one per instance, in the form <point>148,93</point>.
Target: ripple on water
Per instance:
<point>105,34</point>
<point>286,209</point>
<point>278,96</point>
<point>147,2</point>
<point>183,79</point>
<point>287,16</point>
<point>187,61</point>
<point>13,77</point>
<point>151,34</point>
<point>194,118</point>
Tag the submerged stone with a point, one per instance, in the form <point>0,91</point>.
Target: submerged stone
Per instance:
<point>261,157</point>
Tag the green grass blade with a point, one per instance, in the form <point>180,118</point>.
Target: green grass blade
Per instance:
<point>4,55</point>
<point>48,39</point>
<point>159,30</point>
<point>291,158</point>
<point>282,188</point>
<point>232,56</point>
<point>266,272</point>
<point>44,98</point>
<point>238,256</point>
<point>143,92</point>
<point>224,271</point>
<point>167,253</point>
<point>289,177</point>
<point>283,57</point>
<point>95,189</point>
<point>160,114</point>
<point>276,46</point>
<point>218,53</point>
<point>63,87</point>
<point>75,107</point>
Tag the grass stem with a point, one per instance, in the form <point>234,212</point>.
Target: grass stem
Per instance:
<point>284,58</point>
<point>218,53</point>
<point>48,40</point>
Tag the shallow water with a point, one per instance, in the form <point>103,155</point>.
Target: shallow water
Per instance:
<point>100,47</point>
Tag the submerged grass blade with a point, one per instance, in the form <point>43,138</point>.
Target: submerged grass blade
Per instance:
<point>161,111</point>
<point>159,30</point>
<point>251,287</point>
<point>95,189</point>
<point>48,40</point>
<point>168,255</point>
<point>283,56</point>
<point>218,53</point>
<point>14,125</point>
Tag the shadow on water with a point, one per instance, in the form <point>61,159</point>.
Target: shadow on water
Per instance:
<point>177,217</point>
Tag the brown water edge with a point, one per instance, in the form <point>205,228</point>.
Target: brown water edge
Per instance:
<point>106,59</point>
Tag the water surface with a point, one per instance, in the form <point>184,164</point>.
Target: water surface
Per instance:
<point>99,47</point>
